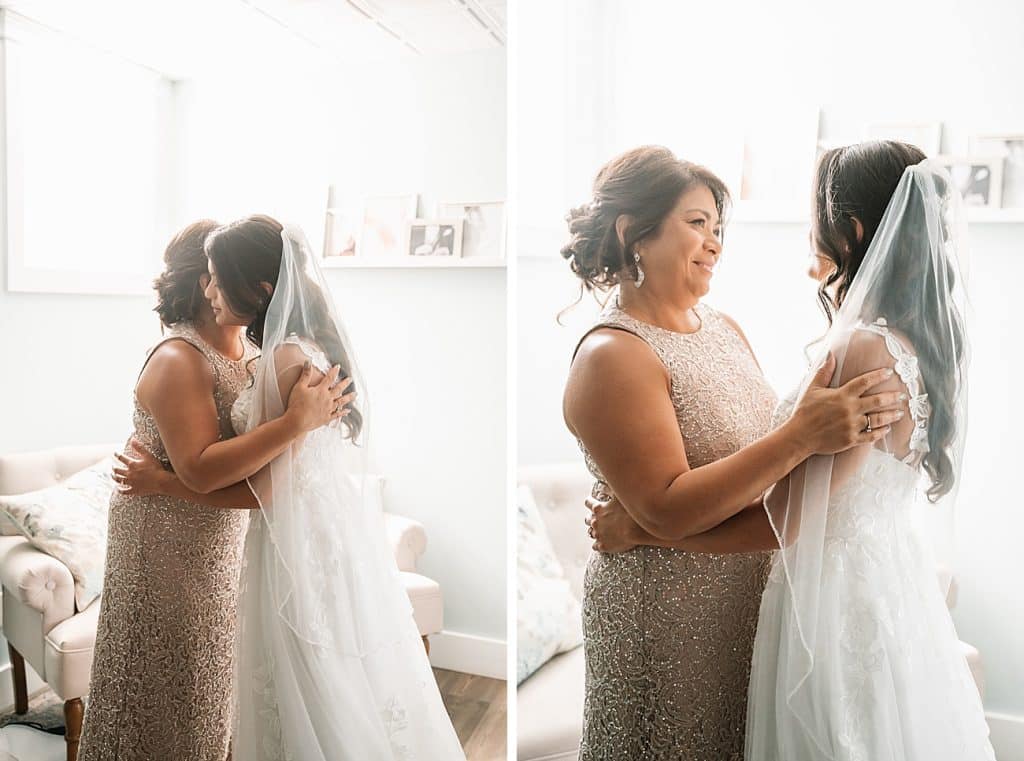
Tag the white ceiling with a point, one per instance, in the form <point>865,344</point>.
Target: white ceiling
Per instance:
<point>186,38</point>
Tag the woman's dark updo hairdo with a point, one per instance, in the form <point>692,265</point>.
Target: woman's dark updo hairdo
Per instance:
<point>644,183</point>
<point>179,288</point>
<point>248,252</point>
<point>858,181</point>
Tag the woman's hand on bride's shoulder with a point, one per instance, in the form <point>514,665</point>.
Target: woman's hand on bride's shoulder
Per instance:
<point>830,420</point>
<point>141,475</point>
<point>315,403</point>
<point>611,527</point>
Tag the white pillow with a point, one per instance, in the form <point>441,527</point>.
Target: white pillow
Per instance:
<point>548,616</point>
<point>69,522</point>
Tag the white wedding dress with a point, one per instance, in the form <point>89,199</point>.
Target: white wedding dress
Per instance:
<point>336,670</point>
<point>889,681</point>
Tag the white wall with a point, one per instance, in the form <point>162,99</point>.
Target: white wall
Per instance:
<point>680,69</point>
<point>432,341</point>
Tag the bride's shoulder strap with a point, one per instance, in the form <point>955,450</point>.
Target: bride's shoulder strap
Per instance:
<point>907,369</point>
<point>309,350</point>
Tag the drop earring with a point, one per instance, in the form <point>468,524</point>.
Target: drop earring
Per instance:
<point>639,272</point>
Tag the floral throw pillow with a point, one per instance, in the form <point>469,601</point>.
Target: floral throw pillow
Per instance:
<point>548,617</point>
<point>69,522</point>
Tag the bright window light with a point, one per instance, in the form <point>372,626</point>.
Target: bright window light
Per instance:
<point>90,153</point>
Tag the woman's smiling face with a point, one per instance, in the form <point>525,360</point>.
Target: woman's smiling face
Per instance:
<point>683,253</point>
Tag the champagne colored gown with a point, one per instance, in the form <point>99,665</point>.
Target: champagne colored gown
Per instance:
<point>668,634</point>
<point>161,675</point>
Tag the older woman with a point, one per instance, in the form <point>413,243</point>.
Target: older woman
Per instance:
<point>673,414</point>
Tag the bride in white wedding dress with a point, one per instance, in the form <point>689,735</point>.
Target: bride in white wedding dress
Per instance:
<point>856,657</point>
<point>329,663</point>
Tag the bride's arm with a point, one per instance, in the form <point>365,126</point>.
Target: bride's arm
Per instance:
<point>617,402</point>
<point>177,386</point>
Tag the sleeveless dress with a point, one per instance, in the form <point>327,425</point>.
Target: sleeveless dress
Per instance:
<point>668,634</point>
<point>353,683</point>
<point>890,682</point>
<point>161,675</point>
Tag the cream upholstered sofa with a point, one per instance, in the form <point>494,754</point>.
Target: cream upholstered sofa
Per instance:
<point>42,626</point>
<point>550,701</point>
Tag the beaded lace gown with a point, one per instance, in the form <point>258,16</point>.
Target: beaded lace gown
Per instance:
<point>889,681</point>
<point>350,681</point>
<point>668,634</point>
<point>161,674</point>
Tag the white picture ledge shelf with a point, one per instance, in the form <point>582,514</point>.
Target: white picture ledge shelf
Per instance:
<point>411,262</point>
<point>755,212</point>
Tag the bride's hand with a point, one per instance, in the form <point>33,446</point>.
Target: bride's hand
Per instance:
<point>141,475</point>
<point>831,420</point>
<point>313,405</point>
<point>611,527</point>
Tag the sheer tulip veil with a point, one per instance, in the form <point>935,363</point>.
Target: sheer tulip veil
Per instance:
<point>329,662</point>
<point>856,657</point>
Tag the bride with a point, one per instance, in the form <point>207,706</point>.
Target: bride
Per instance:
<point>856,657</point>
<point>329,664</point>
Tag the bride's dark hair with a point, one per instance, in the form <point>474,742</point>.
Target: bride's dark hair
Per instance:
<point>248,252</point>
<point>858,181</point>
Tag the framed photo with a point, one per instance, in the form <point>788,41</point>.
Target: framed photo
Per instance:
<point>385,219</point>
<point>1010,147</point>
<point>434,237</point>
<point>979,179</point>
<point>483,226</point>
<point>925,135</point>
<point>342,226</point>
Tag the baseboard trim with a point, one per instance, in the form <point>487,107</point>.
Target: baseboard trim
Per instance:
<point>468,653</point>
<point>1007,735</point>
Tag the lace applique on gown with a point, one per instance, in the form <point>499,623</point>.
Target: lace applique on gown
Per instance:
<point>668,634</point>
<point>897,687</point>
<point>299,700</point>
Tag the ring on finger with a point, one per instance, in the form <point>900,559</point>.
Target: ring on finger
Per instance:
<point>868,418</point>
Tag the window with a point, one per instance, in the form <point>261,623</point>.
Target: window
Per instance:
<point>89,164</point>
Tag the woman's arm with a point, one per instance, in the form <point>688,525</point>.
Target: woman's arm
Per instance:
<point>143,475</point>
<point>617,402</point>
<point>613,530</point>
<point>176,387</point>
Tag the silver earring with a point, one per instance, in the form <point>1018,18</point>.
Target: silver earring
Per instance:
<point>639,272</point>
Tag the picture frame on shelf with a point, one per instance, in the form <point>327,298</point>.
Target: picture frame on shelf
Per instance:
<point>434,238</point>
<point>978,178</point>
<point>1010,147</point>
<point>925,135</point>
<point>384,224</point>
<point>483,227</point>
<point>342,225</point>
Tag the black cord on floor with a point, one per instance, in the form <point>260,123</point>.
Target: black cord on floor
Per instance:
<point>37,725</point>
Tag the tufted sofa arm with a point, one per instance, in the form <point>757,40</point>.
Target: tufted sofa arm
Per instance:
<point>38,580</point>
<point>408,540</point>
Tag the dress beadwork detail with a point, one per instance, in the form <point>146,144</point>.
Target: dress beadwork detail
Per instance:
<point>668,634</point>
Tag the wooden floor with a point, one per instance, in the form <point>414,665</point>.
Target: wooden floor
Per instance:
<point>477,706</point>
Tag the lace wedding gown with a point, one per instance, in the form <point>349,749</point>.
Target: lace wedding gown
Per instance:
<point>889,681</point>
<point>353,683</point>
